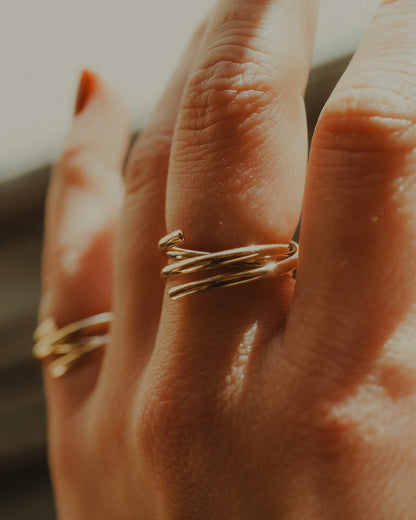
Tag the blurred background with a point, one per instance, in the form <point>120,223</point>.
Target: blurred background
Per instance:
<point>44,46</point>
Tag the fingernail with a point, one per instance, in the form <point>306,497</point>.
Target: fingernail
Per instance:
<point>86,89</point>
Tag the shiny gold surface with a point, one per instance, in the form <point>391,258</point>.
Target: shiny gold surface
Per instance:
<point>71,342</point>
<point>242,264</point>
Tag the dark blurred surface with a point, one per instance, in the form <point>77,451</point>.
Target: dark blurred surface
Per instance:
<point>25,491</point>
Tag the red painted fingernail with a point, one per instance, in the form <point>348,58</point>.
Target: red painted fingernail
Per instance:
<point>86,89</point>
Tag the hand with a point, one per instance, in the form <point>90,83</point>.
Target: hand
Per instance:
<point>257,401</point>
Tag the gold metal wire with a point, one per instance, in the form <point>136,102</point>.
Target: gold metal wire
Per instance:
<point>242,264</point>
<point>72,342</point>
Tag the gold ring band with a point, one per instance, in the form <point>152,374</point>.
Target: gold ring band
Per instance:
<point>72,342</point>
<point>243,264</point>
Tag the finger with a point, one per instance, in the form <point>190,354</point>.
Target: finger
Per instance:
<point>236,178</point>
<point>139,288</point>
<point>356,278</point>
<point>240,143</point>
<point>239,155</point>
<point>82,210</point>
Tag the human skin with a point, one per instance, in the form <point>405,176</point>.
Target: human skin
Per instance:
<point>269,400</point>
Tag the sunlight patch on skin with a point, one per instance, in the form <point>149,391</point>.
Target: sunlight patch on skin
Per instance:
<point>234,381</point>
<point>397,363</point>
<point>71,263</point>
<point>404,197</point>
<point>385,401</point>
<point>402,187</point>
<point>84,217</point>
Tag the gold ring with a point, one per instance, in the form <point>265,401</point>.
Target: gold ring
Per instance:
<point>243,264</point>
<point>72,342</point>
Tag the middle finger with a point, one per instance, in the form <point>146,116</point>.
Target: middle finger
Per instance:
<point>238,161</point>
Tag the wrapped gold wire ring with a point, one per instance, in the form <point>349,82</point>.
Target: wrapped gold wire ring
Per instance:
<point>72,342</point>
<point>243,264</point>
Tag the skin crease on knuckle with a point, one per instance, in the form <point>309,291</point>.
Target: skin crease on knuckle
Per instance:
<point>367,119</point>
<point>224,92</point>
<point>229,104</point>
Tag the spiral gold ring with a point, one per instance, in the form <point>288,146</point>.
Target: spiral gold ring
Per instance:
<point>240,265</point>
<point>72,342</point>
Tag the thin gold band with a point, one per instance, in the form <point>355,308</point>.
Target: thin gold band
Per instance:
<point>74,341</point>
<point>71,342</point>
<point>252,263</point>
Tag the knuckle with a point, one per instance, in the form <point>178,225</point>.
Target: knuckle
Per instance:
<point>228,90</point>
<point>165,429</point>
<point>371,119</point>
<point>157,440</point>
<point>174,419</point>
<point>169,442</point>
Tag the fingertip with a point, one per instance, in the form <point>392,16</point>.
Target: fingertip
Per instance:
<point>101,125</point>
<point>87,86</point>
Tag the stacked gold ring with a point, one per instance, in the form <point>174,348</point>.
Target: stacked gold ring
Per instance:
<point>72,342</point>
<point>242,264</point>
